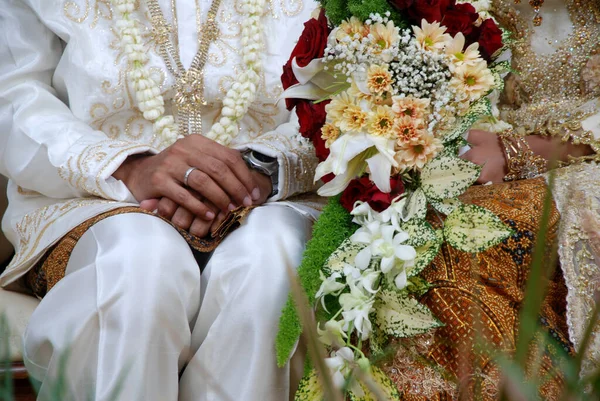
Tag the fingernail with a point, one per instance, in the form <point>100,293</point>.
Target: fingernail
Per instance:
<point>231,207</point>
<point>210,215</point>
<point>255,194</point>
<point>247,201</point>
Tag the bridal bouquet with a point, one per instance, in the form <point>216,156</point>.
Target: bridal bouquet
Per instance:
<point>386,92</point>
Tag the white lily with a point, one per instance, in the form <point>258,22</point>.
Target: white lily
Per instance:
<point>339,365</point>
<point>367,281</point>
<point>348,158</point>
<point>329,285</point>
<point>333,333</point>
<point>385,242</point>
<point>356,307</point>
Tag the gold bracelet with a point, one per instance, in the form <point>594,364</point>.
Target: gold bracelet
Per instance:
<point>522,163</point>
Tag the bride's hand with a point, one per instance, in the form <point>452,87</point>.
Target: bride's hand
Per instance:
<point>487,151</point>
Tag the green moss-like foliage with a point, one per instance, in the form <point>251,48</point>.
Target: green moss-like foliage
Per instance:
<point>332,228</point>
<point>339,10</point>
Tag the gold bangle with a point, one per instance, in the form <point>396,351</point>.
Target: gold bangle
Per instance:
<point>521,162</point>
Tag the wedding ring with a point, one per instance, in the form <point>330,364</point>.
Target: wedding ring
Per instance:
<point>186,177</point>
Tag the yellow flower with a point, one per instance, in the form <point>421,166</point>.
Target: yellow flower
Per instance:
<point>353,119</point>
<point>330,133</point>
<point>345,113</point>
<point>381,122</point>
<point>338,105</point>
<point>472,80</point>
<point>351,28</point>
<point>379,79</point>
<point>407,128</point>
<point>384,36</point>
<point>455,48</point>
<point>416,152</point>
<point>432,36</point>
<point>411,107</point>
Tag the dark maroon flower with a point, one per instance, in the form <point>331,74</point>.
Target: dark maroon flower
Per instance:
<point>363,189</point>
<point>460,18</point>
<point>311,117</point>
<point>489,37</point>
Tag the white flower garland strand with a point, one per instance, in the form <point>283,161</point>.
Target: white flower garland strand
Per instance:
<point>238,99</point>
<point>147,91</point>
<point>243,92</point>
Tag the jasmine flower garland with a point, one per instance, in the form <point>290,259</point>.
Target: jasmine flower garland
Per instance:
<point>239,97</point>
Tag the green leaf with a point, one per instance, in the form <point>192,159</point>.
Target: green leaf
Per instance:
<point>448,177</point>
<point>445,206</point>
<point>345,253</point>
<point>471,228</point>
<point>416,205</point>
<point>384,385</point>
<point>401,316</point>
<point>310,388</point>
<point>477,110</point>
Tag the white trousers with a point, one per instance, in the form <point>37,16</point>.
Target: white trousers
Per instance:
<point>135,316</point>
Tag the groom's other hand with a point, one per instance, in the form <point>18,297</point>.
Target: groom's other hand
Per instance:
<point>221,176</point>
<point>185,219</point>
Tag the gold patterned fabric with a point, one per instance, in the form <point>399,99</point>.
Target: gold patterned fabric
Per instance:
<point>51,269</point>
<point>478,298</point>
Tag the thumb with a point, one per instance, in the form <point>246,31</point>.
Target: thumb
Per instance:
<point>149,204</point>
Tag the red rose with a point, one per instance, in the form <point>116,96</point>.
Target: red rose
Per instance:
<point>402,4</point>
<point>310,46</point>
<point>312,117</point>
<point>489,37</point>
<point>430,10</point>
<point>460,18</point>
<point>363,189</point>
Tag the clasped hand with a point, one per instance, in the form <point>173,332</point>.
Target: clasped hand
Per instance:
<point>221,182</point>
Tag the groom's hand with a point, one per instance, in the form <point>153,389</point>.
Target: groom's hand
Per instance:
<point>221,176</point>
<point>185,219</point>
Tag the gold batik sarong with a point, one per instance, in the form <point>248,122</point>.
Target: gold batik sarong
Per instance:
<point>478,298</point>
<point>51,269</point>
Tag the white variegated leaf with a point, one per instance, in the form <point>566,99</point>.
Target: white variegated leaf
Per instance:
<point>420,232</point>
<point>401,316</point>
<point>310,388</point>
<point>416,205</point>
<point>501,67</point>
<point>345,253</point>
<point>378,340</point>
<point>448,177</point>
<point>386,387</point>
<point>425,255</point>
<point>471,228</point>
<point>498,82</point>
<point>445,206</point>
<point>480,108</point>
<point>425,241</point>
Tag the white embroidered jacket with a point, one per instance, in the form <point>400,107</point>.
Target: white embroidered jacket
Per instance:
<point>68,117</point>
